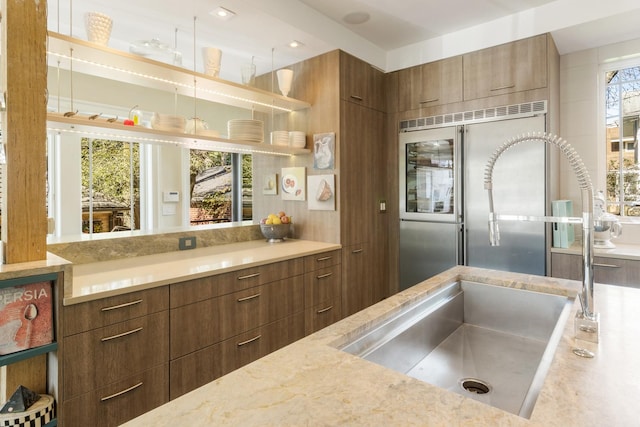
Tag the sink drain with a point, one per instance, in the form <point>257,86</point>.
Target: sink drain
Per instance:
<point>475,386</point>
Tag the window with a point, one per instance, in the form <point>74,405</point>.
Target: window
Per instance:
<point>622,100</point>
<point>212,181</point>
<point>110,186</point>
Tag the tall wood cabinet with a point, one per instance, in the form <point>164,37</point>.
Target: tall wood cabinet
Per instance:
<point>363,186</point>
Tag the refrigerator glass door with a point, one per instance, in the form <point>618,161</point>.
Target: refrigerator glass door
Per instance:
<point>428,175</point>
<point>519,188</point>
<point>426,249</point>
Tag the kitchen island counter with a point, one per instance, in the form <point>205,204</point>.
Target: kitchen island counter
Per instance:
<point>311,382</point>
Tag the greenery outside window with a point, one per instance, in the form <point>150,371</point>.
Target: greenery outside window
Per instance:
<point>212,183</point>
<point>622,101</point>
<point>110,186</point>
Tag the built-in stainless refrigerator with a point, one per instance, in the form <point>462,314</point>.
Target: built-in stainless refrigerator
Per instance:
<point>444,207</point>
<point>431,238</point>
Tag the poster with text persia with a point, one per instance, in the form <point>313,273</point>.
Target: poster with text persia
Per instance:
<point>26,316</point>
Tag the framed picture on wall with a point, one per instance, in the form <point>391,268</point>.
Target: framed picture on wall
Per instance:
<point>324,150</point>
<point>293,183</point>
<point>322,192</point>
<point>270,184</point>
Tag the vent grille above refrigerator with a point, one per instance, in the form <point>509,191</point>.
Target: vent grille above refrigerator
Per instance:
<point>525,109</point>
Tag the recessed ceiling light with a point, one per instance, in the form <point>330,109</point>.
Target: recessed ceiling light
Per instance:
<point>295,43</point>
<point>222,13</point>
<point>356,18</point>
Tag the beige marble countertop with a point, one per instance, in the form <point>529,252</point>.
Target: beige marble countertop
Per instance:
<point>52,264</point>
<point>96,280</point>
<point>622,251</point>
<point>312,383</point>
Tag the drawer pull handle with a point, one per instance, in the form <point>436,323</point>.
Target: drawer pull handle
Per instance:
<point>428,100</point>
<point>324,258</point>
<point>126,304</point>
<point>249,297</point>
<point>503,87</point>
<point>324,310</point>
<point>323,276</point>
<point>124,334</point>
<point>240,344</point>
<point>356,97</point>
<point>356,251</point>
<point>120,393</point>
<point>596,264</point>
<point>248,276</point>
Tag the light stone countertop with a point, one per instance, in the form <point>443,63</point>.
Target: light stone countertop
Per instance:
<point>108,278</point>
<point>622,251</point>
<point>312,383</point>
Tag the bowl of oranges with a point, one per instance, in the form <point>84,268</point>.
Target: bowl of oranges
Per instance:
<point>276,227</point>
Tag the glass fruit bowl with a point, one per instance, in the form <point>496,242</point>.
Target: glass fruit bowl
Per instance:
<point>275,232</point>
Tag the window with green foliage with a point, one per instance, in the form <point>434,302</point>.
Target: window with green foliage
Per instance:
<point>212,187</point>
<point>110,186</point>
<point>622,101</point>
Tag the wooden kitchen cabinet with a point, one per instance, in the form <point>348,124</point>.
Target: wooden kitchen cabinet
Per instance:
<point>214,330</point>
<point>363,226</point>
<point>323,290</point>
<point>431,84</point>
<point>200,367</point>
<point>507,68</point>
<point>223,317</point>
<point>358,280</point>
<point>361,83</point>
<point>116,403</point>
<point>115,365</point>
<point>612,271</point>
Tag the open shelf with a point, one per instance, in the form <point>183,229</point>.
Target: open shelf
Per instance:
<point>106,62</point>
<point>18,356</point>
<point>101,128</point>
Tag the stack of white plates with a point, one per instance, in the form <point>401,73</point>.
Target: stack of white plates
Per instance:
<point>168,122</point>
<point>280,137</point>
<point>246,130</point>
<point>297,139</point>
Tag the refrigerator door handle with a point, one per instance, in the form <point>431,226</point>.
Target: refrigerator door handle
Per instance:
<point>462,246</point>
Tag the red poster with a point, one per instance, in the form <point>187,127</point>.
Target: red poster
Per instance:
<point>26,316</point>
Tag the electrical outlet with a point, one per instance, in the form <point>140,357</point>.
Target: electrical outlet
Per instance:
<point>383,205</point>
<point>187,243</point>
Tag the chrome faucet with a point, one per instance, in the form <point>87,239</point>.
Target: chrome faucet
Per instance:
<point>587,322</point>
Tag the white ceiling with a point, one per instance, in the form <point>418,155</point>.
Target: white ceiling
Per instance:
<point>399,33</point>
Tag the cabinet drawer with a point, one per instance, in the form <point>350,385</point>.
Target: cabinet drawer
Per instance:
<point>107,311</point>
<point>200,367</point>
<point>118,402</point>
<point>322,315</point>
<point>103,356</point>
<point>322,260</point>
<point>322,285</point>
<point>198,325</point>
<point>252,345</point>
<point>196,290</point>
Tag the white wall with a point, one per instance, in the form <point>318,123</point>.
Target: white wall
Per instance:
<point>582,115</point>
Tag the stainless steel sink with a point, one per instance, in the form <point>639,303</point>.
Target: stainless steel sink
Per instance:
<point>490,343</point>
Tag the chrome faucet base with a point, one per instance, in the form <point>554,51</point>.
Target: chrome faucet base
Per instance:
<point>587,328</point>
